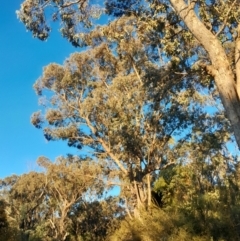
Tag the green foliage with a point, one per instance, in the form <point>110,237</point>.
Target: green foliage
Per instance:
<point>129,111</point>
<point>55,204</point>
<point>155,224</point>
<point>3,216</point>
<point>141,102</point>
<point>201,205</point>
<point>95,220</point>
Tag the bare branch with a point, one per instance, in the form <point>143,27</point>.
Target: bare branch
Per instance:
<point>68,4</point>
<point>237,60</point>
<point>135,69</point>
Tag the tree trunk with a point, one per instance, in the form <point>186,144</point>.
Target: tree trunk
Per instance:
<point>149,193</point>
<point>220,69</point>
<point>62,227</point>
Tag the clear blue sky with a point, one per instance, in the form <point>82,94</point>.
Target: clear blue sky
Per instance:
<point>21,63</point>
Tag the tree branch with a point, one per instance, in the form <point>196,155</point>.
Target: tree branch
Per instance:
<point>135,69</point>
<point>237,60</point>
<point>224,76</point>
<point>105,146</point>
<point>68,4</point>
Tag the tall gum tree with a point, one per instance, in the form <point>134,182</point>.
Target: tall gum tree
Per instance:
<point>130,113</point>
<point>211,26</point>
<point>227,80</point>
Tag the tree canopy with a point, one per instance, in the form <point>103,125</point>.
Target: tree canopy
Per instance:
<point>201,37</point>
<point>152,104</point>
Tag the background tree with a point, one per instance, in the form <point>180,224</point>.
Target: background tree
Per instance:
<point>41,205</point>
<point>3,220</point>
<point>68,179</point>
<point>201,196</point>
<point>97,219</point>
<point>8,231</point>
<point>3,216</point>
<point>201,202</point>
<point>24,196</point>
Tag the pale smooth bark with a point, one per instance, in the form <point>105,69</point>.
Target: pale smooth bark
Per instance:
<point>220,69</point>
<point>149,194</point>
<point>237,60</point>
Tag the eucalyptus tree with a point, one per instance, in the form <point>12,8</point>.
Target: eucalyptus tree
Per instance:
<point>202,195</point>
<point>41,205</point>
<point>3,216</point>
<point>97,219</point>
<point>24,196</point>
<point>3,219</point>
<point>68,180</point>
<point>121,105</point>
<point>200,36</point>
<point>8,231</point>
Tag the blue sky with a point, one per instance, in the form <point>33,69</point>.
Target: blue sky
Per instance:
<point>22,60</point>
